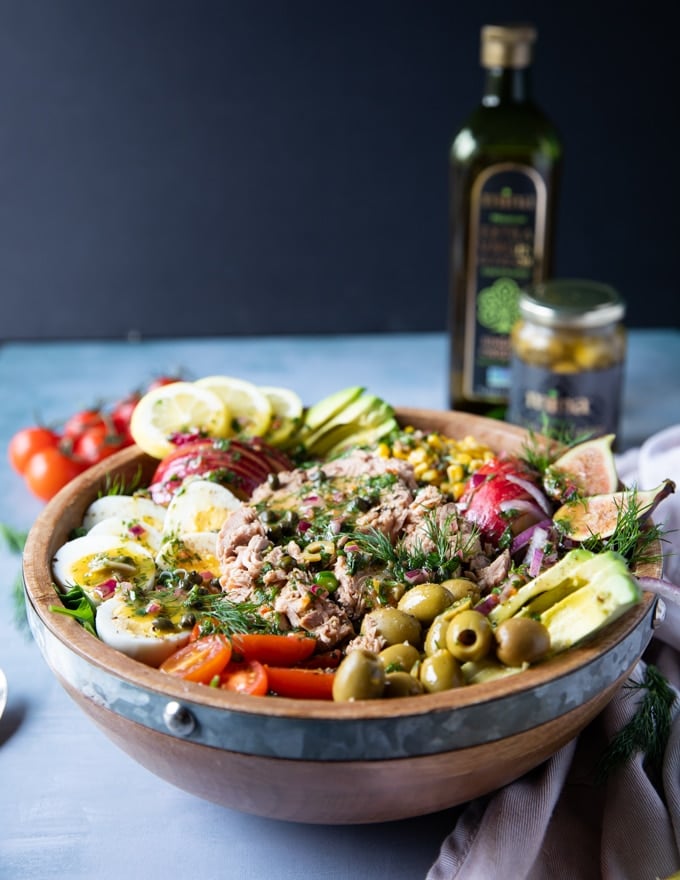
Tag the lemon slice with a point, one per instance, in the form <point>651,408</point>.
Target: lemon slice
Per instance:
<point>171,409</point>
<point>250,409</point>
<point>286,413</point>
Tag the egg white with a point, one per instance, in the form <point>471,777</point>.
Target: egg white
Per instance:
<point>197,552</point>
<point>129,507</point>
<point>83,562</point>
<point>199,506</point>
<point>131,631</point>
<point>129,530</point>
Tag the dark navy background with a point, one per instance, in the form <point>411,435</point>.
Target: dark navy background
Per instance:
<point>207,168</point>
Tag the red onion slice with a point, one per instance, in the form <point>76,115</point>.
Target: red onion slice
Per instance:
<point>522,505</point>
<point>532,489</point>
<point>522,539</point>
<point>536,551</point>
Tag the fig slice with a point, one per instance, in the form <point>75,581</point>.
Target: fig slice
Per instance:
<point>589,468</point>
<point>598,515</point>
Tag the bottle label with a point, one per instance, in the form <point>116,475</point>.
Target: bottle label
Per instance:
<point>507,241</point>
<point>588,401</point>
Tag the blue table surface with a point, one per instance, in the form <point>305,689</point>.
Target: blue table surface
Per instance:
<point>71,803</point>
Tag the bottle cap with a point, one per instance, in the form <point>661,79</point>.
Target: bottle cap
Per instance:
<point>571,302</point>
<point>507,45</point>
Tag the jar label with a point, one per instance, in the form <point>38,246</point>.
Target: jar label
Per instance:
<point>507,239</point>
<point>587,401</point>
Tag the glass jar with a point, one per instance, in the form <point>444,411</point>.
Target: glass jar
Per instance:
<point>568,353</point>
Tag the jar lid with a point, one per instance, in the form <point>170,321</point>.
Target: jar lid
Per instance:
<point>507,45</point>
<point>571,303</point>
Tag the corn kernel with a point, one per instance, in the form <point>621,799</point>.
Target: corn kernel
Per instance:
<point>431,475</point>
<point>383,450</point>
<point>455,473</point>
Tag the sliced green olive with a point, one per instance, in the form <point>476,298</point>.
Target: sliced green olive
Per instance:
<point>401,684</point>
<point>521,640</point>
<point>399,658</point>
<point>441,672</point>
<point>425,601</point>
<point>469,636</point>
<point>393,625</point>
<point>360,676</point>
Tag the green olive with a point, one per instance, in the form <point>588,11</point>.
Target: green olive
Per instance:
<point>521,640</point>
<point>360,676</point>
<point>393,625</point>
<point>436,634</point>
<point>469,636</point>
<point>401,684</point>
<point>425,601</point>
<point>441,672</point>
<point>460,588</point>
<point>399,658</point>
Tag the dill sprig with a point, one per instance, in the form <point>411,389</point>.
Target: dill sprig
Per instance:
<point>539,452</point>
<point>648,730</point>
<point>15,541</point>
<point>451,545</point>
<point>633,536</point>
<point>118,484</point>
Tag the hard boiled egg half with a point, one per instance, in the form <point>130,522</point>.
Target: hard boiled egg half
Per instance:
<point>134,508</point>
<point>98,563</point>
<point>197,552</point>
<point>149,633</point>
<point>199,506</point>
<point>129,530</point>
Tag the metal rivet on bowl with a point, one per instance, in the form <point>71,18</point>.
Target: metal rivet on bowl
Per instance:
<point>659,613</point>
<point>178,719</point>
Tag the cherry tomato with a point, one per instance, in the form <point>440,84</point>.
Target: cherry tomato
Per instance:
<point>49,470</point>
<point>160,381</point>
<point>82,421</point>
<point>285,650</point>
<point>121,415</point>
<point>248,677</point>
<point>200,660</point>
<point>96,444</point>
<point>306,684</point>
<point>25,443</point>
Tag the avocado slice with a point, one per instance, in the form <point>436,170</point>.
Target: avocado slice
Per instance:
<point>564,574</point>
<point>328,407</point>
<point>610,590</point>
<point>363,436</point>
<point>361,412</point>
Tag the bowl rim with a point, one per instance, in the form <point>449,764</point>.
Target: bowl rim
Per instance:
<point>50,530</point>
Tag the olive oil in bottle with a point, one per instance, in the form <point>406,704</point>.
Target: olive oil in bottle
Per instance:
<point>504,170</point>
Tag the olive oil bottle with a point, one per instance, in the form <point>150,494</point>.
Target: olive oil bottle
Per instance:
<point>504,171</point>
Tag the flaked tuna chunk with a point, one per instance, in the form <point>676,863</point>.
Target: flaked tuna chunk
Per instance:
<point>241,548</point>
<point>356,592</point>
<point>320,616</point>
<point>494,574</point>
<point>390,515</point>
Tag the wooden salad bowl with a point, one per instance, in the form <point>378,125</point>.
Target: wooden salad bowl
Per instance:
<point>316,761</point>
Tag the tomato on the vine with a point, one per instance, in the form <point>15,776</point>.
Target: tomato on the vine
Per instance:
<point>49,470</point>
<point>97,443</point>
<point>82,421</point>
<point>121,415</point>
<point>25,443</point>
<point>160,381</point>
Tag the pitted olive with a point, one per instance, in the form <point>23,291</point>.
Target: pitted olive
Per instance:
<point>436,634</point>
<point>521,640</point>
<point>393,625</point>
<point>440,672</point>
<point>399,658</point>
<point>462,587</point>
<point>425,601</point>
<point>469,636</point>
<point>401,684</point>
<point>360,676</point>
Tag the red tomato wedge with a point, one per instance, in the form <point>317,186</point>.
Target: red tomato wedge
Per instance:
<point>283,650</point>
<point>200,660</point>
<point>248,677</point>
<point>305,684</point>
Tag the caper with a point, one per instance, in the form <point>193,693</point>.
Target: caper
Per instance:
<point>436,634</point>
<point>360,676</point>
<point>187,621</point>
<point>440,672</point>
<point>521,640</point>
<point>462,587</point>
<point>289,520</point>
<point>469,636</point>
<point>425,601</point>
<point>286,562</point>
<point>273,481</point>
<point>275,532</point>
<point>163,624</point>
<point>268,516</point>
<point>401,684</point>
<point>359,504</point>
<point>399,658</point>
<point>393,625</point>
